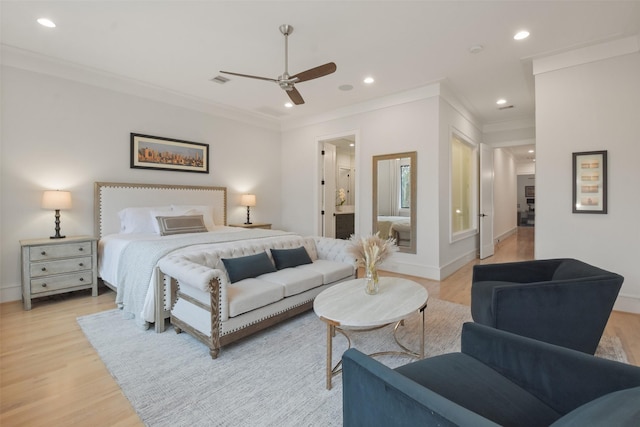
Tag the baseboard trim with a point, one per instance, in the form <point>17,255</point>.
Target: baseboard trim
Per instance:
<point>417,270</point>
<point>504,235</point>
<point>11,293</point>
<point>627,303</point>
<point>457,264</point>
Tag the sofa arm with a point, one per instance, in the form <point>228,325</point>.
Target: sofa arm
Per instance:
<point>334,250</point>
<point>562,378</point>
<point>200,277</point>
<point>374,394</point>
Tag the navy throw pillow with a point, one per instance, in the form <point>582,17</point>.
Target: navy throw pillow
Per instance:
<point>285,258</point>
<point>248,266</point>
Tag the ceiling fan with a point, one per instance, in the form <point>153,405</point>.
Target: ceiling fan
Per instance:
<point>287,82</point>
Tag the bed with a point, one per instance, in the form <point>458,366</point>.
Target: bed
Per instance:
<point>397,227</point>
<point>130,241</point>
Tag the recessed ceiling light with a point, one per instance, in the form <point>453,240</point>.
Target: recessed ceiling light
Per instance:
<point>288,104</point>
<point>352,145</point>
<point>531,151</point>
<point>345,87</point>
<point>45,22</point>
<point>369,80</point>
<point>521,35</point>
<point>476,48</point>
<point>501,101</point>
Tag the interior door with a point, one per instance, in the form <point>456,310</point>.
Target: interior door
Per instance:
<point>486,201</point>
<point>329,190</point>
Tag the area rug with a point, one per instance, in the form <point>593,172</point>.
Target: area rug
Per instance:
<point>275,377</point>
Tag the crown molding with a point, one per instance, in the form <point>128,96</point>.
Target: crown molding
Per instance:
<point>405,97</point>
<point>587,54</point>
<point>42,64</point>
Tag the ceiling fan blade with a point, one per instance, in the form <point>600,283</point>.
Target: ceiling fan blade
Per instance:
<point>295,96</point>
<point>316,72</point>
<point>250,76</point>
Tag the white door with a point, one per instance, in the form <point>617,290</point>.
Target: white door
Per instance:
<point>329,190</point>
<point>486,201</point>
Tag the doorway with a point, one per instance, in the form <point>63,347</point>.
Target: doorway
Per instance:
<point>338,185</point>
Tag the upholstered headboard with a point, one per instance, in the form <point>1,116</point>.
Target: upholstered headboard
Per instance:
<point>112,197</point>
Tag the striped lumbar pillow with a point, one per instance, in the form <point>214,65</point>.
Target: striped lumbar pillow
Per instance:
<point>181,224</point>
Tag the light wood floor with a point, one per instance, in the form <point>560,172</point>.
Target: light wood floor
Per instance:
<point>51,375</point>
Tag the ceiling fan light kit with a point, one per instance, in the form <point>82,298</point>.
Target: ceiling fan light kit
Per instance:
<point>287,82</point>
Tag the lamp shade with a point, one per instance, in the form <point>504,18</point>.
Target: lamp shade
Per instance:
<point>56,199</point>
<point>248,200</point>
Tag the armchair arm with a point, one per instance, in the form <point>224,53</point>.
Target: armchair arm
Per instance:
<point>374,394</point>
<point>562,378</point>
<point>519,272</point>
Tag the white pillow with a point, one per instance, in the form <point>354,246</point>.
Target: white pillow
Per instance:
<point>206,211</point>
<point>138,220</point>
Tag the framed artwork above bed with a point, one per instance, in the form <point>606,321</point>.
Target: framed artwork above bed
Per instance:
<point>154,152</point>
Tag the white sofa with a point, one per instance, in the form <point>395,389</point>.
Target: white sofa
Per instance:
<point>217,312</point>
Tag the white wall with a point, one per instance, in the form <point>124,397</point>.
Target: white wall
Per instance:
<point>504,193</point>
<point>59,134</point>
<point>420,121</point>
<point>587,102</point>
<point>396,127</point>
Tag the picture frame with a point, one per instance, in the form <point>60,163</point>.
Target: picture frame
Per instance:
<point>590,182</point>
<point>154,152</point>
<point>529,191</point>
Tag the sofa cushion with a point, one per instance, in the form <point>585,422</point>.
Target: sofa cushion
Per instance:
<point>249,294</point>
<point>248,266</point>
<point>293,280</point>
<point>620,409</point>
<point>331,271</point>
<point>286,258</point>
<point>473,385</point>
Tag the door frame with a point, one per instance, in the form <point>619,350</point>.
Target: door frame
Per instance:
<point>323,198</point>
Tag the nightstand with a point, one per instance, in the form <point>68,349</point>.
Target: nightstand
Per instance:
<point>54,266</point>
<point>254,225</point>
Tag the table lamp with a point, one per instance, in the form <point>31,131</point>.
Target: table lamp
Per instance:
<point>248,200</point>
<point>56,200</point>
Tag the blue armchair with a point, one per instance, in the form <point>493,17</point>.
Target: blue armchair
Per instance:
<point>498,378</point>
<point>560,301</point>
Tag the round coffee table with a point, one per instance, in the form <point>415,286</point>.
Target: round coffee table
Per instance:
<point>346,306</point>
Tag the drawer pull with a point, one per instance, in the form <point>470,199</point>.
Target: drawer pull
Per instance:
<point>44,268</point>
<point>81,249</point>
<point>82,279</point>
<point>81,264</point>
<point>44,285</point>
<point>43,253</point>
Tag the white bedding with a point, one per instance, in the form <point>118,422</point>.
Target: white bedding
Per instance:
<point>388,224</point>
<point>127,262</point>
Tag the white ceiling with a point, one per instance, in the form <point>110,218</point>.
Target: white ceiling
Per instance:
<point>180,45</point>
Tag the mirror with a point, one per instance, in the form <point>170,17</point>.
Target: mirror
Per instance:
<point>394,198</point>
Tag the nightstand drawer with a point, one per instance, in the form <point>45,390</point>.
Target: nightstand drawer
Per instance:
<point>39,269</point>
<point>55,266</point>
<point>63,281</point>
<point>41,253</point>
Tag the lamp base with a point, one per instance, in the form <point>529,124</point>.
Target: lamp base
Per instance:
<point>57,236</point>
<point>248,221</point>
